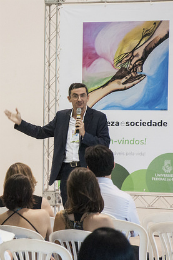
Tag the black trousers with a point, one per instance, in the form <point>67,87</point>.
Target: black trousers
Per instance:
<point>64,173</point>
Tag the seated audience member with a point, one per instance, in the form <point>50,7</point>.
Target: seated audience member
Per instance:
<point>106,244</point>
<point>84,203</point>
<point>17,197</point>
<point>100,161</point>
<point>39,202</point>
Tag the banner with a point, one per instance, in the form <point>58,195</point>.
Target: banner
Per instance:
<point>123,52</point>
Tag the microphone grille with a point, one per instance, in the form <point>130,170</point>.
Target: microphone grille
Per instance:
<point>78,111</point>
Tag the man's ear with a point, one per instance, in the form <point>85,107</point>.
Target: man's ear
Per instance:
<point>69,98</point>
<point>88,97</point>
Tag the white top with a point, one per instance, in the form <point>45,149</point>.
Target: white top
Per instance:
<point>117,202</point>
<point>72,145</point>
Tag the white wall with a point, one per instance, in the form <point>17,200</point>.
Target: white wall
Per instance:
<point>21,82</point>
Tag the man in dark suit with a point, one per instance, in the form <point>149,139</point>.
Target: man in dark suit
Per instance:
<point>69,146</point>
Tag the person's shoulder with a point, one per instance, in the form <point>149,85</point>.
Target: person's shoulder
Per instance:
<point>63,111</point>
<point>94,217</point>
<point>41,213</point>
<point>127,197</point>
<point>100,220</point>
<point>101,217</point>
<point>95,112</point>
<point>60,216</point>
<point>39,218</point>
<point>125,194</point>
<point>113,189</point>
<point>61,114</point>
<point>59,222</point>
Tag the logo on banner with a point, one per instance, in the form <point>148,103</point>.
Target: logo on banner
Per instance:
<point>167,168</point>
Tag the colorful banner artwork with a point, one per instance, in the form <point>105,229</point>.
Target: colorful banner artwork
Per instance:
<point>120,55</point>
<point>123,53</point>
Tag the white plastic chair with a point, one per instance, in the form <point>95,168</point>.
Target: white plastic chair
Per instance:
<point>27,249</point>
<point>165,232</point>
<point>70,239</point>
<point>52,220</point>
<point>155,218</point>
<point>21,232</point>
<point>126,227</point>
<point>6,235</point>
<point>3,209</point>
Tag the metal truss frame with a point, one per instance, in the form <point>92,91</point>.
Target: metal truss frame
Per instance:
<point>51,95</point>
<point>51,105</point>
<point>153,200</point>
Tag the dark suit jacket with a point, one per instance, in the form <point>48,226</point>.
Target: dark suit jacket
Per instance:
<point>96,132</point>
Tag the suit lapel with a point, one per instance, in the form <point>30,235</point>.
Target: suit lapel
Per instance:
<point>66,126</point>
<point>88,118</point>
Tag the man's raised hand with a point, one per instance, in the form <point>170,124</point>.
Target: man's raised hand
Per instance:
<point>14,117</point>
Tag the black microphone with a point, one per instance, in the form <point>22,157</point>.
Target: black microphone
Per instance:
<point>78,112</point>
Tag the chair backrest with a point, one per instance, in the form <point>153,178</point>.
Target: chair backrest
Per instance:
<point>70,239</point>
<point>126,227</point>
<point>6,235</point>
<point>27,249</point>
<point>164,231</point>
<point>155,218</point>
<point>21,232</point>
<point>3,209</point>
<point>52,220</point>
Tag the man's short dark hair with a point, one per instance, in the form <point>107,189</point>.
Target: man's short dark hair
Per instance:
<point>100,160</point>
<point>77,85</point>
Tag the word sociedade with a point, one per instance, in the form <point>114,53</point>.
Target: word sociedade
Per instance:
<point>149,123</point>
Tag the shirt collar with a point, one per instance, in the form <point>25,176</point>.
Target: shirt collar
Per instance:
<point>104,179</point>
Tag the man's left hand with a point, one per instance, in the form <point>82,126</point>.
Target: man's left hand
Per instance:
<point>80,126</point>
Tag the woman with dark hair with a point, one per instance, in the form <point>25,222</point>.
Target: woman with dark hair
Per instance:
<point>106,243</point>
<point>17,197</point>
<point>39,202</point>
<point>84,203</point>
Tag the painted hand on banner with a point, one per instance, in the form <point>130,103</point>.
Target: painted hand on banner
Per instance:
<point>136,58</point>
<point>14,117</point>
<point>122,80</point>
<point>130,63</point>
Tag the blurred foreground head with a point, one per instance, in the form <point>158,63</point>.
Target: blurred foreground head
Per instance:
<point>106,244</point>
